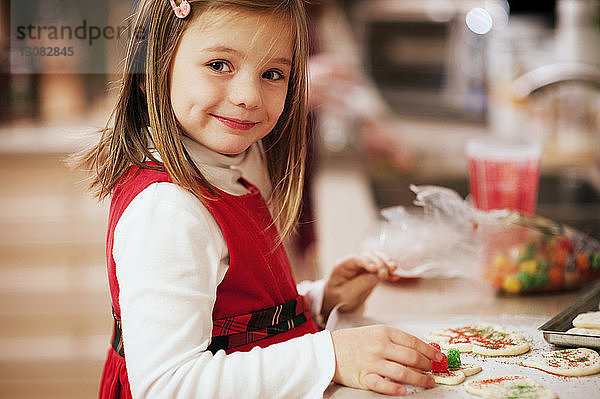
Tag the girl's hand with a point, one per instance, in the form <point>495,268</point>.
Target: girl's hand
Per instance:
<point>381,359</point>
<point>353,278</point>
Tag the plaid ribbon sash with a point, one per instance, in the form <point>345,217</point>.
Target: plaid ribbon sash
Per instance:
<point>117,342</point>
<point>234,331</point>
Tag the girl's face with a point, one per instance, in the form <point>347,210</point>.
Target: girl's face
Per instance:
<point>229,78</point>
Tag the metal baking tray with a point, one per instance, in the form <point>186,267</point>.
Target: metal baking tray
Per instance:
<point>554,330</point>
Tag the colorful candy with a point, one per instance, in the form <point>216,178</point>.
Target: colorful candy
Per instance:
<point>527,280</point>
<point>441,366</point>
<point>511,285</point>
<point>541,262</point>
<point>595,261</point>
<point>453,359</point>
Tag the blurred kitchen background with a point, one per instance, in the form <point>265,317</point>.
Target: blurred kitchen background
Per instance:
<point>447,69</point>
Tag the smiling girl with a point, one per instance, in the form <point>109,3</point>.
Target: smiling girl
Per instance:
<point>205,144</point>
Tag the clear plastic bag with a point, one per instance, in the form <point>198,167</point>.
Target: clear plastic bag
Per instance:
<point>447,237</point>
<point>435,240</point>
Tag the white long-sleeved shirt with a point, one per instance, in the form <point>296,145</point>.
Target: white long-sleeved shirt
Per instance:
<point>170,257</point>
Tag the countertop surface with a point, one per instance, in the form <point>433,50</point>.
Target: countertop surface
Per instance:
<point>421,306</point>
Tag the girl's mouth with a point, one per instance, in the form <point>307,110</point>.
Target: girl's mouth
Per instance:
<point>235,123</point>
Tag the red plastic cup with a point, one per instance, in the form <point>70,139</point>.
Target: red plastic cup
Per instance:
<point>504,174</point>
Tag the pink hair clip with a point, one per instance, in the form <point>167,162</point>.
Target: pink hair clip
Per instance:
<point>182,10</point>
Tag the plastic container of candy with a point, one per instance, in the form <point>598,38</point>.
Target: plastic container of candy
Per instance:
<point>526,254</point>
<point>515,253</point>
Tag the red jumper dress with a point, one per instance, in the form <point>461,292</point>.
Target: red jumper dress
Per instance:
<point>257,302</point>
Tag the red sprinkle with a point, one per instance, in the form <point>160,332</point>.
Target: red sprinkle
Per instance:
<point>497,380</point>
<point>486,337</point>
<point>436,346</point>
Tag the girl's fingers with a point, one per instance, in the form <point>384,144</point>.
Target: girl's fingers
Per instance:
<point>406,375</point>
<point>389,261</point>
<point>364,260</point>
<point>357,264</point>
<point>390,265</point>
<point>401,338</point>
<point>379,384</point>
<point>372,262</point>
<point>395,277</point>
<point>378,264</point>
<point>407,356</point>
<point>385,264</point>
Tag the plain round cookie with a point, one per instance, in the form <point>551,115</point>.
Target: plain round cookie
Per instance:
<point>587,320</point>
<point>568,362</point>
<point>452,377</point>
<point>507,387</point>
<point>470,369</point>
<point>585,331</point>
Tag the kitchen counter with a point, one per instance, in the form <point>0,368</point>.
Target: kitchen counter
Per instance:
<point>458,297</point>
<point>423,305</point>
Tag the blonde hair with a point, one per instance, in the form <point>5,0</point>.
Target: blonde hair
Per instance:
<point>126,141</point>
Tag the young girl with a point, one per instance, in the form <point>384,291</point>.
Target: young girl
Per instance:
<point>209,123</point>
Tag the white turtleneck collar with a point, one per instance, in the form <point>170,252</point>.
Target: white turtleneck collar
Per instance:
<point>224,171</point>
<point>220,170</point>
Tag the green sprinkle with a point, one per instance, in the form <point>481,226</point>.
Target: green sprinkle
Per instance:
<point>523,387</point>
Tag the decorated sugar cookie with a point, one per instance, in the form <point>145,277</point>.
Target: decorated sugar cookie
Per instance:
<point>450,370</point>
<point>483,339</point>
<point>568,362</point>
<point>514,386</point>
<point>470,369</point>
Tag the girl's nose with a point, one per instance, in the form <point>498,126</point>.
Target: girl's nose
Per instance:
<point>245,91</point>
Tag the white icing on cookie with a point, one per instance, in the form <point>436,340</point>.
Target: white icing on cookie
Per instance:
<point>452,377</point>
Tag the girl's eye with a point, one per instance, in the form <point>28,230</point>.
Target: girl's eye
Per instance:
<point>219,66</point>
<point>272,75</point>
